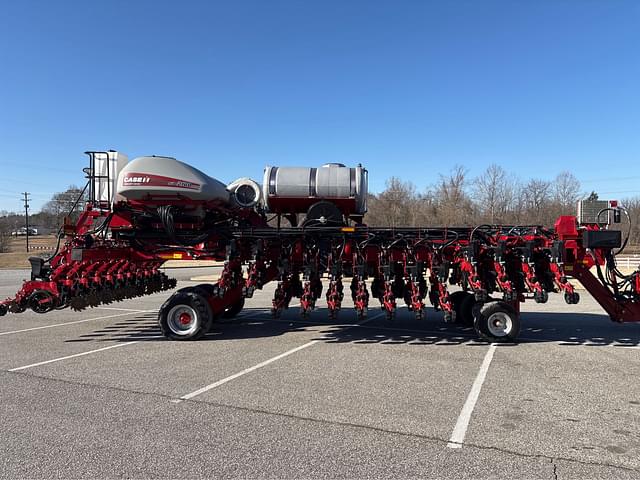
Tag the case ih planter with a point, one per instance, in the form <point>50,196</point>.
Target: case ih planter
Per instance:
<point>141,213</point>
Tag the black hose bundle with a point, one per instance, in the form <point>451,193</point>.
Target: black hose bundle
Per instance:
<point>611,274</point>
<point>165,212</point>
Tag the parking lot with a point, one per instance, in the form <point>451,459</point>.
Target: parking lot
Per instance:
<point>100,393</point>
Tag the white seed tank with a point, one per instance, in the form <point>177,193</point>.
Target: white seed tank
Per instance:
<point>155,177</point>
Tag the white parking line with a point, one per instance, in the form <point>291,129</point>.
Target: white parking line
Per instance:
<point>202,390</point>
<point>460,430</point>
<point>74,322</point>
<point>245,371</point>
<point>72,356</point>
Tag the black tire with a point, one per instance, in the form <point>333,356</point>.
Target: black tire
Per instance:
<point>331,213</point>
<point>572,298</point>
<point>42,301</point>
<point>457,299</point>
<point>497,322</point>
<point>541,297</point>
<point>190,305</point>
<point>465,315</point>
<point>17,307</point>
<point>234,309</point>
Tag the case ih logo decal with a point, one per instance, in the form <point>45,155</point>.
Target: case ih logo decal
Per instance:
<point>144,180</point>
<point>136,180</point>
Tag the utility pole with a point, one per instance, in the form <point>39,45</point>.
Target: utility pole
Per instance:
<point>26,215</point>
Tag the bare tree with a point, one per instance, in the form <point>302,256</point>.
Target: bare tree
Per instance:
<point>61,203</point>
<point>396,206</point>
<point>566,190</point>
<point>426,209</point>
<point>493,193</point>
<point>454,204</point>
<point>537,195</point>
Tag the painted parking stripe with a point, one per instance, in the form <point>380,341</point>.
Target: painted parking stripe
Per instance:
<point>75,322</point>
<point>202,390</point>
<point>72,356</point>
<point>211,386</point>
<point>460,430</point>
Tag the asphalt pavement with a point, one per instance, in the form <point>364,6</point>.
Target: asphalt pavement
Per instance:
<point>101,394</point>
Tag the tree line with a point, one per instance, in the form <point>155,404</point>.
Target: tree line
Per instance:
<point>494,197</point>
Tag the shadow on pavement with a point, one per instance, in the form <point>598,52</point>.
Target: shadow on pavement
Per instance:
<point>566,329</point>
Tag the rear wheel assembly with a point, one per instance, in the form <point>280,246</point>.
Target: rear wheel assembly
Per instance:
<point>497,322</point>
<point>186,315</point>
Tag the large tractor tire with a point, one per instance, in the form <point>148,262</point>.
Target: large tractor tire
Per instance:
<point>497,322</point>
<point>185,315</point>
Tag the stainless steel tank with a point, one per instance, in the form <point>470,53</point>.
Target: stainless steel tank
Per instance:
<point>295,189</point>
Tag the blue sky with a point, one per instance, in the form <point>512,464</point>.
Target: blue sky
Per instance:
<point>407,88</point>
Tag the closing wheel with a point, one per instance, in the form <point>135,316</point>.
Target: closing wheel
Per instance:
<point>541,296</point>
<point>571,298</point>
<point>42,301</point>
<point>185,316</point>
<point>233,310</point>
<point>497,322</point>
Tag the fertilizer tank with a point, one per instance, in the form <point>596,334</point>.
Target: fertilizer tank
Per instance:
<point>296,189</point>
<point>152,178</point>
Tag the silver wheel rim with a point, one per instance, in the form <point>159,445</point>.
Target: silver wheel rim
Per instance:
<point>182,320</point>
<point>500,324</point>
